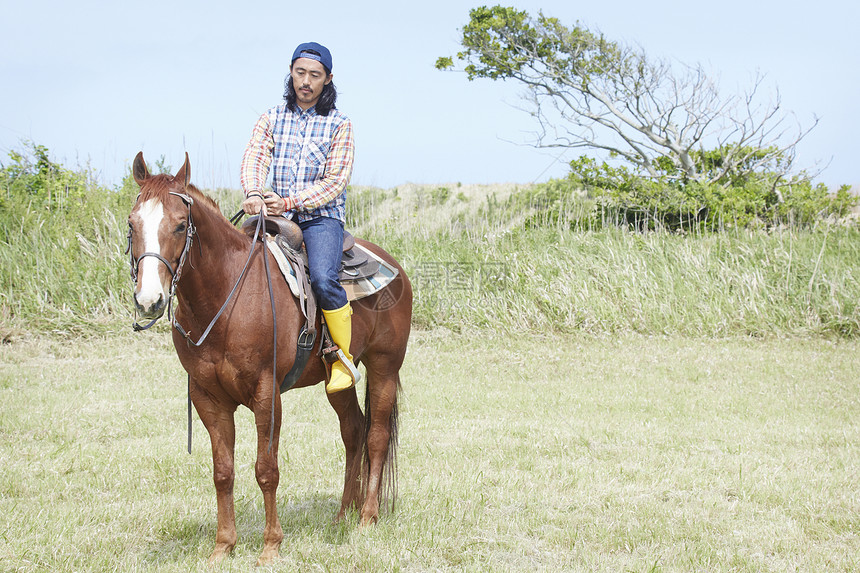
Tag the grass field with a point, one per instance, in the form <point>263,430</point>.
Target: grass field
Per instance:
<point>518,453</point>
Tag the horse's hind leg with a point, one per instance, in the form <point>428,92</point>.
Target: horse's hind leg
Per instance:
<point>345,403</point>
<point>268,476</point>
<point>383,380</point>
<point>220,424</point>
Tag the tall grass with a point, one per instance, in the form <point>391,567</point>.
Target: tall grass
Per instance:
<point>479,257</point>
<point>64,268</point>
<point>476,258</point>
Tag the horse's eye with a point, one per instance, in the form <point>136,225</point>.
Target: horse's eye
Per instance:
<point>180,228</point>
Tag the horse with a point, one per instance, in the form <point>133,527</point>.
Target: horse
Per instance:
<point>183,247</point>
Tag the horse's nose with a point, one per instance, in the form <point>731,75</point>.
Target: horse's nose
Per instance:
<point>147,308</point>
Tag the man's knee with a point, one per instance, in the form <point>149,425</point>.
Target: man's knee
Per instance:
<point>330,294</point>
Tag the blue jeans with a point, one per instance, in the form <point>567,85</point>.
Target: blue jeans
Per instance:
<point>324,243</point>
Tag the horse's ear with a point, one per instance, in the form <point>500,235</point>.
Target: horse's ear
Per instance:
<point>139,170</point>
<point>184,173</point>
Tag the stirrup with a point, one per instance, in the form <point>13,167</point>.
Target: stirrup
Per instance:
<point>352,371</point>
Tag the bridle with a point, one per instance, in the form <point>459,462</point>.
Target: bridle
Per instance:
<point>177,273</point>
<point>190,230</point>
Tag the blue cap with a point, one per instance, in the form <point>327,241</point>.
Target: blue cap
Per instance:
<point>324,56</point>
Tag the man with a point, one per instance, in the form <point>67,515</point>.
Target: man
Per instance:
<point>308,145</point>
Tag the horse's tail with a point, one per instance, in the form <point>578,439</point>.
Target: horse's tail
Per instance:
<point>388,485</point>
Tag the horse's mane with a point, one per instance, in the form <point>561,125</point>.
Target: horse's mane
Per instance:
<point>160,186</point>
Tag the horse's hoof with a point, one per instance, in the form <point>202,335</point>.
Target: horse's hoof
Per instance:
<point>221,551</point>
<point>368,521</point>
<point>268,556</point>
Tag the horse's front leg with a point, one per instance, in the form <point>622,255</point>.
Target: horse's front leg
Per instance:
<point>220,424</point>
<point>268,474</point>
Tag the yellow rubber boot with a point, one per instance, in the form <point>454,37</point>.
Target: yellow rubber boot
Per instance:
<point>344,374</point>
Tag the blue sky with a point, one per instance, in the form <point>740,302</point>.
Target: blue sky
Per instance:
<point>98,81</point>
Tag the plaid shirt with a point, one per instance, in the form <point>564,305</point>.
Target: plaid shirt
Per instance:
<point>310,157</point>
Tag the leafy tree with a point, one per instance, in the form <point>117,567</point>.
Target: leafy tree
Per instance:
<point>586,91</point>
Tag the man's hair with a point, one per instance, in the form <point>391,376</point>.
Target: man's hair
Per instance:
<point>327,100</point>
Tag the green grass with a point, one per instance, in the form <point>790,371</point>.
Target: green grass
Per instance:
<point>476,262</point>
<point>518,452</point>
<point>480,256</point>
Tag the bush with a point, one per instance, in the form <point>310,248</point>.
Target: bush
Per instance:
<point>619,197</point>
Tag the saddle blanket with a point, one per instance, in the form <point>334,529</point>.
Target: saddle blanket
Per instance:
<point>355,288</point>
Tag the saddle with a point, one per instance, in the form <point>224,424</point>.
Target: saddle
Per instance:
<point>361,274</point>
<point>355,263</point>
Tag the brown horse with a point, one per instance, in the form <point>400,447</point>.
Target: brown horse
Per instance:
<point>181,244</point>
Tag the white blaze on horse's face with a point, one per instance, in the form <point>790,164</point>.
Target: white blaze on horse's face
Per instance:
<point>151,293</point>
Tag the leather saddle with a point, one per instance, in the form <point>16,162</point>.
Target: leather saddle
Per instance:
<point>355,262</point>
<point>356,265</point>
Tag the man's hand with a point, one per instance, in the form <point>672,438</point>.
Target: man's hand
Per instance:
<point>253,203</point>
<point>274,204</point>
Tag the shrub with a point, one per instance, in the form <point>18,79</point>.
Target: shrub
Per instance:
<point>622,198</point>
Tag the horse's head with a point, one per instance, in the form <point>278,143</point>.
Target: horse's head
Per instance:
<point>159,231</point>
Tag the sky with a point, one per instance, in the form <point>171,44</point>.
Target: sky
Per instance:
<point>97,81</point>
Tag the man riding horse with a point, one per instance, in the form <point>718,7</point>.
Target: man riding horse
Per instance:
<point>307,144</point>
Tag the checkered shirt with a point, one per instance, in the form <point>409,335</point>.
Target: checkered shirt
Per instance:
<point>310,157</point>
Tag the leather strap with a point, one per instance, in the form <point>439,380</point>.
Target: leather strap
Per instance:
<point>304,349</point>
<point>308,334</point>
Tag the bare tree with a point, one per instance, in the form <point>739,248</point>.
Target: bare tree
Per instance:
<point>588,92</point>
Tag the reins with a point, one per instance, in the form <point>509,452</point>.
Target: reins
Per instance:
<point>175,275</point>
<point>186,334</point>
